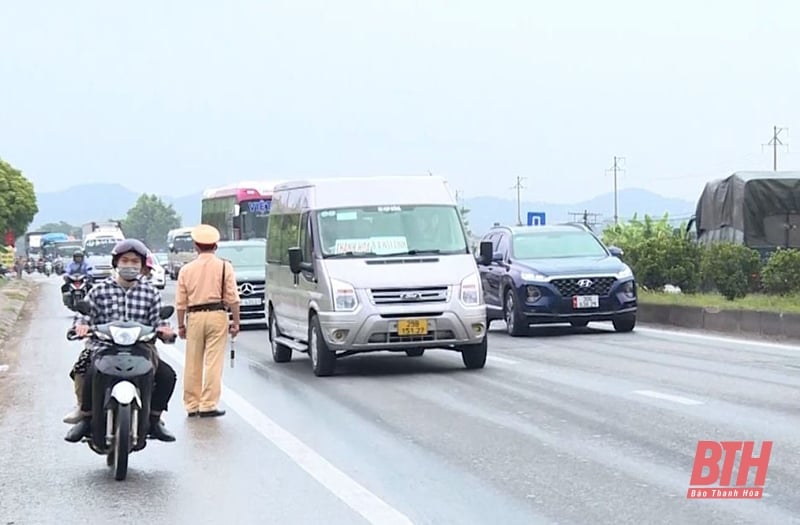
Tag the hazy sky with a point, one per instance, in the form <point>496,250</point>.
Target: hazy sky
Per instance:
<point>177,96</point>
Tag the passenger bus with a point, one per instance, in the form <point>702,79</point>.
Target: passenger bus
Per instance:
<point>240,211</point>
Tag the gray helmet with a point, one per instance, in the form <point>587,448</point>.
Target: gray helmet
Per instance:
<point>129,246</point>
<point>77,253</point>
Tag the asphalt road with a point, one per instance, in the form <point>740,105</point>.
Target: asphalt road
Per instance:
<point>567,427</point>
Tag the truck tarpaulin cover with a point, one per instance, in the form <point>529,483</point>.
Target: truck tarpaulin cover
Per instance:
<point>755,208</point>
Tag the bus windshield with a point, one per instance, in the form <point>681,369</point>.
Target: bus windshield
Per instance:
<point>254,217</point>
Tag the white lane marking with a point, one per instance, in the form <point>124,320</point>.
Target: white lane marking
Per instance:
<point>668,397</point>
<point>353,494</point>
<point>3,368</point>
<point>720,339</point>
<point>501,360</point>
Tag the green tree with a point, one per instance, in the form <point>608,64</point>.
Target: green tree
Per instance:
<point>149,220</point>
<point>17,200</point>
<point>62,227</point>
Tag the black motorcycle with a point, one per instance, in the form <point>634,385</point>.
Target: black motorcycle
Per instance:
<point>122,387</point>
<point>75,290</point>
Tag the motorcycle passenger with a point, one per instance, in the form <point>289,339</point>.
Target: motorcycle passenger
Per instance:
<point>78,266</point>
<point>110,300</point>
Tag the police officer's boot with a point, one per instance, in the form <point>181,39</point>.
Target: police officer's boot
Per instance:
<point>75,416</point>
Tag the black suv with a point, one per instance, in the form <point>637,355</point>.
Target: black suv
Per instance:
<point>554,274</point>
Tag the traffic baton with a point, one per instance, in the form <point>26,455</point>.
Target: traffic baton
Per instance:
<point>233,349</point>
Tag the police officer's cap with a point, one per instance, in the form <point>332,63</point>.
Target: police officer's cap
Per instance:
<point>205,234</point>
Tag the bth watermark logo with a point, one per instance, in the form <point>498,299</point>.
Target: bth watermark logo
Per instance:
<point>713,470</point>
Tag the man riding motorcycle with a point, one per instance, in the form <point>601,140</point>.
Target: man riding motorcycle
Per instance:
<point>78,266</point>
<point>125,296</point>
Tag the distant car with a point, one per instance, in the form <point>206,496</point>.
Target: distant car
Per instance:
<point>162,258</point>
<point>247,258</point>
<point>554,274</point>
<point>158,277</point>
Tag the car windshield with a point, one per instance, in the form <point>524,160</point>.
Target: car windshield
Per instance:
<point>102,246</point>
<point>243,255</point>
<point>391,230</point>
<point>553,245</point>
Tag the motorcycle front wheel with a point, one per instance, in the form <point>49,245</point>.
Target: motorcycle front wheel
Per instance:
<point>122,442</point>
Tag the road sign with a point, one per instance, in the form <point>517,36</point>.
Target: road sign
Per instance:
<point>536,218</point>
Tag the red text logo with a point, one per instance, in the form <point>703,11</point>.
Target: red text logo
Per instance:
<point>713,470</point>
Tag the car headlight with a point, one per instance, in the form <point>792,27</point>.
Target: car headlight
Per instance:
<point>531,276</point>
<point>344,296</point>
<point>125,336</point>
<point>471,290</point>
<point>624,274</point>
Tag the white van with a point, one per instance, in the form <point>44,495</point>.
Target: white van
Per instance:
<point>97,247</point>
<point>368,264</point>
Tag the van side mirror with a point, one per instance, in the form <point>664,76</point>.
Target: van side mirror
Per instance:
<point>485,254</point>
<point>616,251</point>
<point>295,258</point>
<point>237,222</point>
<point>165,312</point>
<point>83,307</point>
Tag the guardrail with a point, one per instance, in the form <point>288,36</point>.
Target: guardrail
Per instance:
<point>751,322</point>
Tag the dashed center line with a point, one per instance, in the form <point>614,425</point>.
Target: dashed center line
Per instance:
<point>668,397</point>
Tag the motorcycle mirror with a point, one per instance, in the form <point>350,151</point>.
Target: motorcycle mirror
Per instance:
<point>83,307</point>
<point>166,312</point>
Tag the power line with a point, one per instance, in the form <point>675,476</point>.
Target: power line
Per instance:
<point>616,168</point>
<point>775,142</point>
<point>519,187</point>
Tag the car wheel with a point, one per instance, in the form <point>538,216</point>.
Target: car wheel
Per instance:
<point>625,324</point>
<point>474,356</point>
<point>415,352</point>
<point>579,324</point>
<point>516,324</point>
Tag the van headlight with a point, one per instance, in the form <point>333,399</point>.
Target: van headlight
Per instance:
<point>344,296</point>
<point>624,274</point>
<point>471,290</point>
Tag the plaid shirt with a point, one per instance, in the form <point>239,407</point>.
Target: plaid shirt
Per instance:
<point>111,302</point>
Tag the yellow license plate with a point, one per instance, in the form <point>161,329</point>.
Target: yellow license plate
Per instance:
<point>412,327</point>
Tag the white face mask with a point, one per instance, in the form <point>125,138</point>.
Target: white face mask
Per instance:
<point>128,273</point>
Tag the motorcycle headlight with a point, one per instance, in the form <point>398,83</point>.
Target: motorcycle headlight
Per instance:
<point>125,336</point>
<point>344,296</point>
<point>471,290</point>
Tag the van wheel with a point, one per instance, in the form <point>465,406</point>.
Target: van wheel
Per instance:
<point>323,360</point>
<point>415,352</point>
<point>280,352</point>
<point>625,324</point>
<point>474,356</point>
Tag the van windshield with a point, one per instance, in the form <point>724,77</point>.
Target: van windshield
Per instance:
<point>183,243</point>
<point>100,246</point>
<point>391,230</point>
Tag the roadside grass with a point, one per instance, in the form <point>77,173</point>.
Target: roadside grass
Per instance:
<point>765,303</point>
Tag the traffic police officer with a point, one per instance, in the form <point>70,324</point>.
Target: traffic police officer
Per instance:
<point>206,291</point>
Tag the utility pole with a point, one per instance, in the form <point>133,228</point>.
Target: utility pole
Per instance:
<point>775,142</point>
<point>519,187</point>
<point>616,169</point>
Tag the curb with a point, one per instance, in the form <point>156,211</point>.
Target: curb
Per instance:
<point>750,322</point>
<point>13,296</point>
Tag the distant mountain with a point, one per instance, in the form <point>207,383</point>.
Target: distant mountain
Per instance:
<point>88,202</point>
<point>485,211</point>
